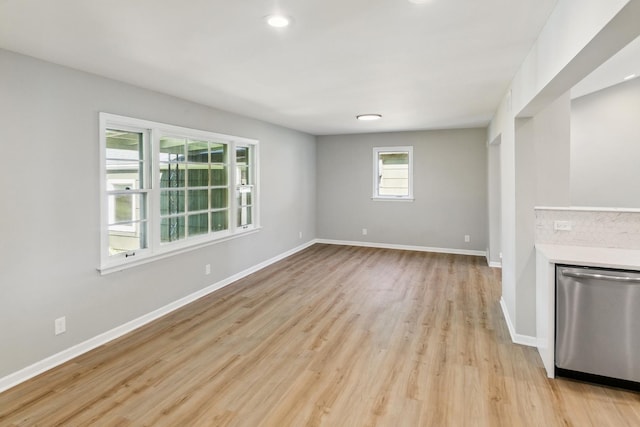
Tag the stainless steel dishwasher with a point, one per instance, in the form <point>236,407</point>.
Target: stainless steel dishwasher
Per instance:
<point>598,325</point>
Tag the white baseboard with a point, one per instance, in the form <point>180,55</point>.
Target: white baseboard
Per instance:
<point>494,264</point>
<point>527,340</point>
<point>402,247</point>
<point>37,368</point>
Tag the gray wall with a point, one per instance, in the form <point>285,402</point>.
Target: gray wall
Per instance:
<point>605,147</point>
<point>49,220</point>
<point>542,179</point>
<point>494,195</point>
<point>450,190</point>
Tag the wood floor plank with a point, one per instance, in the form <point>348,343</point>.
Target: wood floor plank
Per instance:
<point>332,336</point>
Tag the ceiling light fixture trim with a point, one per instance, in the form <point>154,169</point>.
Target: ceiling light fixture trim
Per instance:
<point>278,21</point>
<point>369,117</point>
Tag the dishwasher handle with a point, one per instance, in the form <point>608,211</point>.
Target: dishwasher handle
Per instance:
<point>600,277</point>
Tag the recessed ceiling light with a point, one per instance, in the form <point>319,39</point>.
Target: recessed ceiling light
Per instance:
<point>278,21</point>
<point>419,1</point>
<point>369,117</point>
<point>630,76</point>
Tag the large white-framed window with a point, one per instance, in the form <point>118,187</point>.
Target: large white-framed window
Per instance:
<point>393,173</point>
<point>166,189</point>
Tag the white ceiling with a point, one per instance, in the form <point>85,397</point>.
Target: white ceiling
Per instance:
<point>443,64</point>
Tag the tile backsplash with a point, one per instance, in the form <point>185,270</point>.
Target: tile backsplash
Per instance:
<point>609,228</point>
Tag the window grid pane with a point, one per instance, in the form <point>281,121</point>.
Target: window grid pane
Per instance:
<point>244,196</point>
<point>197,151</point>
<point>220,220</point>
<point>198,200</point>
<point>172,175</point>
<point>198,224</point>
<point>172,149</point>
<point>244,216</point>
<point>126,206</point>
<point>172,202</point>
<point>134,238</point>
<point>219,175</point>
<point>219,198</point>
<point>172,229</point>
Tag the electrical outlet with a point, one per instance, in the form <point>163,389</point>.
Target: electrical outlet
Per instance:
<point>207,269</point>
<point>60,325</point>
<point>364,231</point>
<point>467,238</point>
<point>562,225</point>
<point>300,235</point>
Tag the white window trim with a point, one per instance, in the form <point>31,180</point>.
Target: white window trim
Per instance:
<point>155,250</point>
<point>376,174</point>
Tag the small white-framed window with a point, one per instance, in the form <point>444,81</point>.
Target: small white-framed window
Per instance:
<point>393,173</point>
<point>166,188</point>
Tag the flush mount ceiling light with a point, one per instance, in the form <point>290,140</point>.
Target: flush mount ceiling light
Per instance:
<point>630,76</point>
<point>369,117</point>
<point>419,1</point>
<point>278,21</point>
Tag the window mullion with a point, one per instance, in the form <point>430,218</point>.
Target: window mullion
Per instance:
<point>255,182</point>
<point>233,188</point>
<point>187,189</point>
<point>154,191</point>
<point>209,187</point>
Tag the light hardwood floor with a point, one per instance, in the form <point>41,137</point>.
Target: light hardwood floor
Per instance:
<point>332,336</point>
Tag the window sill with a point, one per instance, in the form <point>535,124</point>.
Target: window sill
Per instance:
<point>122,265</point>
<point>392,199</point>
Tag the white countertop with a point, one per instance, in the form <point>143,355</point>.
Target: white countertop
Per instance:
<point>628,259</point>
<point>585,209</point>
